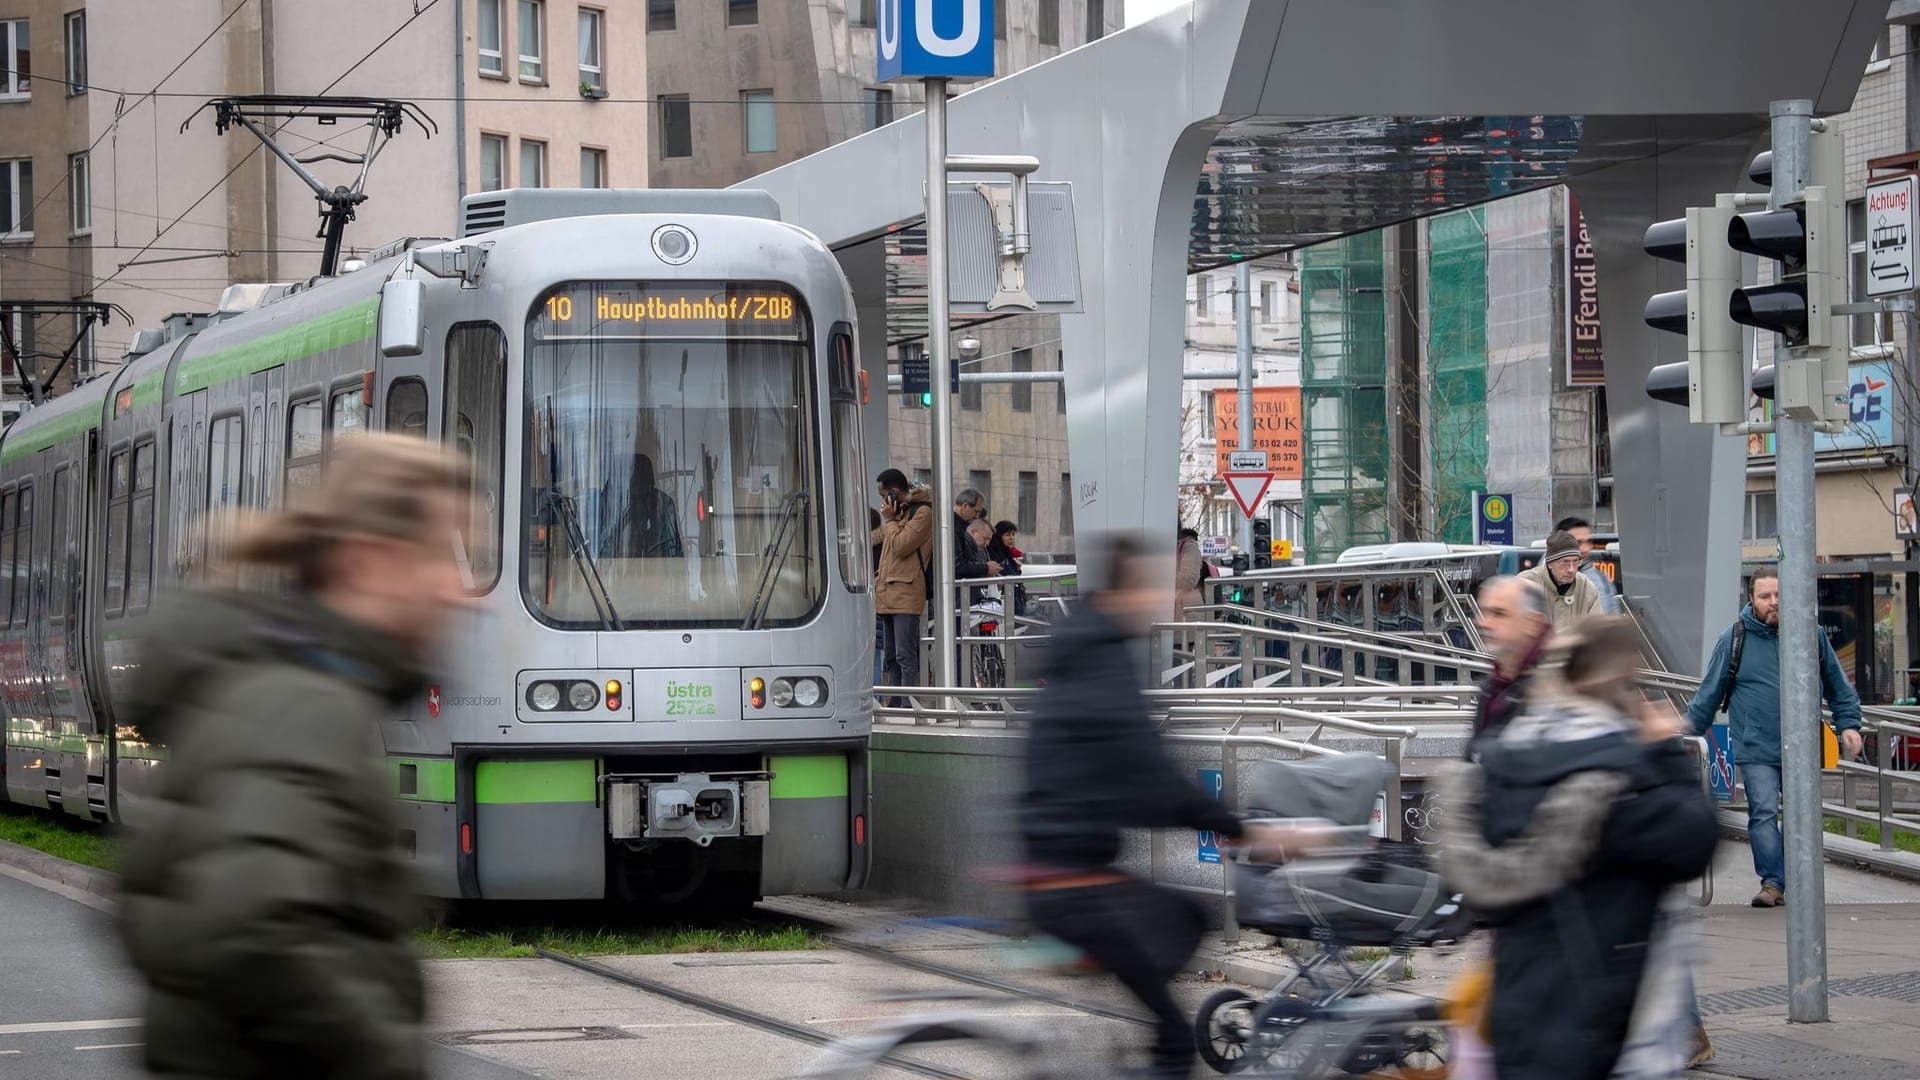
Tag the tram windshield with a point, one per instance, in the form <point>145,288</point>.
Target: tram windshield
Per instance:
<point>672,459</point>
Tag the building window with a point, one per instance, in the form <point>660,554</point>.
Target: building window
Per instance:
<point>492,61</point>
<point>879,107</point>
<point>1022,391</point>
<point>80,194</point>
<point>999,20</point>
<point>493,162</point>
<point>756,119</point>
<point>981,480</point>
<point>1203,296</point>
<point>1066,506</point>
<point>533,163</point>
<point>16,50</point>
<point>676,126</point>
<point>1882,57</point>
<point>16,359</point>
<point>593,168</point>
<point>1269,303</point>
<point>861,12</point>
<point>76,52</point>
<point>743,12</point>
<point>1029,506</point>
<point>16,200</point>
<point>1049,22</point>
<point>1206,416</point>
<point>661,16</point>
<point>591,23</point>
<point>533,64</point>
<point>1096,19</point>
<point>1762,520</point>
<point>923,478</point>
<point>969,391</point>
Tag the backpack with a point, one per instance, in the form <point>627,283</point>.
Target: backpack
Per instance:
<point>1829,742</point>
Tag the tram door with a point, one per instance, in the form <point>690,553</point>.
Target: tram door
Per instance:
<point>83,788</point>
<point>1846,617</point>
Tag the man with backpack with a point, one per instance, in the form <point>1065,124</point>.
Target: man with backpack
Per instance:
<point>903,585</point>
<point>1743,679</point>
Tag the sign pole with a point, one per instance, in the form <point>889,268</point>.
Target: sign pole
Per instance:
<point>1243,398</point>
<point>941,360</point>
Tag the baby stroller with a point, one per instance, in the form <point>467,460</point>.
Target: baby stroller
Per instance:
<point>1384,895</point>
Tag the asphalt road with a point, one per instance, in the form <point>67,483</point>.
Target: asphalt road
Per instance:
<point>70,1005</point>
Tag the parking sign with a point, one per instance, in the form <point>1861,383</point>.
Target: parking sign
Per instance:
<point>1209,843</point>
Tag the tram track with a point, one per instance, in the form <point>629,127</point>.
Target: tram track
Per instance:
<point>759,1021</point>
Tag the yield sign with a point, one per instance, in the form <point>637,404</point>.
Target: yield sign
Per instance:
<point>1247,488</point>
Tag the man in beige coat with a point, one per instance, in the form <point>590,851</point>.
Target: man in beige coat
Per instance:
<point>1571,596</point>
<point>905,537</point>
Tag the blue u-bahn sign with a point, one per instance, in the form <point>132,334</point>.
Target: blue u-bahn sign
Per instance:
<point>935,39</point>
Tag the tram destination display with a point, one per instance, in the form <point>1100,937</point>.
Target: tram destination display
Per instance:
<point>671,310</point>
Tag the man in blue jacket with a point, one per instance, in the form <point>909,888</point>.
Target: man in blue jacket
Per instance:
<point>1753,714</point>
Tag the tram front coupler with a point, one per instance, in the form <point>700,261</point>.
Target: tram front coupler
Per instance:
<point>698,807</point>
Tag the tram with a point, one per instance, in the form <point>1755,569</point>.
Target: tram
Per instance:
<point>660,690</point>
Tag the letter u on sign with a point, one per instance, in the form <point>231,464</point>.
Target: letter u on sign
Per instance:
<point>929,39</point>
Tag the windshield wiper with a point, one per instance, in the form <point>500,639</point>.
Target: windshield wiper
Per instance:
<point>784,531</point>
<point>562,508</point>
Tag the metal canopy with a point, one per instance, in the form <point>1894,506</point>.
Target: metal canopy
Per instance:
<point>1242,127</point>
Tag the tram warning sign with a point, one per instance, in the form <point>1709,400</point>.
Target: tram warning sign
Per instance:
<point>1890,236</point>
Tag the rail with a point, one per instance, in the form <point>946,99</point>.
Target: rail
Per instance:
<point>1184,651</point>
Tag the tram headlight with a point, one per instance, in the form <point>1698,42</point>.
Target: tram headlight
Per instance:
<point>782,693</point>
<point>582,696</point>
<point>544,696</point>
<point>809,693</point>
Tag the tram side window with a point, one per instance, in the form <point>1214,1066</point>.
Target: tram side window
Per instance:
<point>849,467</point>
<point>22,557</point>
<point>140,532</point>
<point>305,442</point>
<point>119,488</point>
<point>226,453</point>
<point>349,411</point>
<point>8,509</point>
<point>407,407</point>
<point>476,418</point>
<point>58,534</point>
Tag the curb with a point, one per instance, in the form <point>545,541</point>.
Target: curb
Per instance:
<point>101,883</point>
<point>1902,865</point>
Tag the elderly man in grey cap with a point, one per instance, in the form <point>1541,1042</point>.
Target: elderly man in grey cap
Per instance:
<point>1571,595</point>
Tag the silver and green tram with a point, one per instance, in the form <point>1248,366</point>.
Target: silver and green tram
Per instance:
<point>660,689</point>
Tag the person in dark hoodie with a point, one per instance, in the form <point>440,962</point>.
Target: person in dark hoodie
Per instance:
<point>265,903</point>
<point>1571,834</point>
<point>1095,765</point>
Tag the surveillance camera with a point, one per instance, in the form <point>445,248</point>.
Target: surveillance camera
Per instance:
<point>969,347</point>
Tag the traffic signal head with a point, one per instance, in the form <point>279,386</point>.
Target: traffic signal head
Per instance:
<point>1713,388</point>
<point>1262,544</point>
<point>926,399</point>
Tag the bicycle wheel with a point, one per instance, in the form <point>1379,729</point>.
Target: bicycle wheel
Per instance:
<point>1222,1029</point>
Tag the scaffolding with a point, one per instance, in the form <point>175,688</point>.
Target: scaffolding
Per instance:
<point>1457,367</point>
<point>1343,375</point>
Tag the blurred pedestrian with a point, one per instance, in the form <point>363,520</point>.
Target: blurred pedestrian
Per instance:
<point>1582,532</point>
<point>1095,765</point>
<point>1514,628</point>
<point>905,584</point>
<point>265,903</point>
<point>1743,678</point>
<point>1582,816</point>
<point>1190,574</point>
<point>1570,596</point>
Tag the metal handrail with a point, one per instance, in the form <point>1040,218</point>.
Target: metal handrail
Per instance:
<point>1358,634</point>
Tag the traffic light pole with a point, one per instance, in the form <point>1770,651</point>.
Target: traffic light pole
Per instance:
<point>1801,795</point>
<point>1243,398</point>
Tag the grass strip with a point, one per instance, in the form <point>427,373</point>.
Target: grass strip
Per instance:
<point>458,943</point>
<point>1902,839</point>
<point>59,835</point>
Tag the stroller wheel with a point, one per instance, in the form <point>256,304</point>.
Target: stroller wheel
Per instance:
<point>1222,1029</point>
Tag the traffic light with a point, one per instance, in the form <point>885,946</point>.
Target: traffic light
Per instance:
<point>1714,386</point>
<point>1262,544</point>
<point>1239,562</point>
<point>914,381</point>
<point>1806,237</point>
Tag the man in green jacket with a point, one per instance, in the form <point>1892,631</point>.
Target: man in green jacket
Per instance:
<point>266,904</point>
<point>1753,715</point>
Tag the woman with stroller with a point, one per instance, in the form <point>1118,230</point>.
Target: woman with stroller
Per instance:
<point>1581,817</point>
